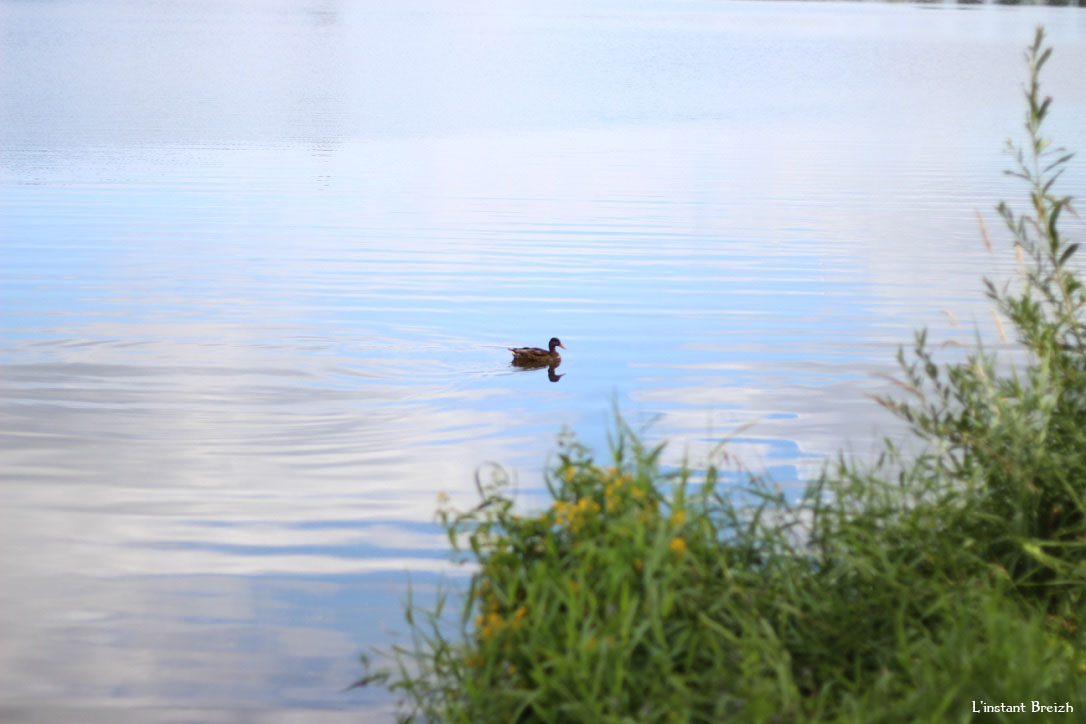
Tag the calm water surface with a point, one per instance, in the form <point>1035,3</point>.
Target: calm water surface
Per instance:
<point>260,261</point>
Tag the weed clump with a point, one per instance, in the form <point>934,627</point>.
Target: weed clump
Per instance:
<point>920,588</point>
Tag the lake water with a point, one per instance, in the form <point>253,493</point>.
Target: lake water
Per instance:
<point>261,261</point>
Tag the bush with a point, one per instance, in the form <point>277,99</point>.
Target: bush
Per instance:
<point>919,588</point>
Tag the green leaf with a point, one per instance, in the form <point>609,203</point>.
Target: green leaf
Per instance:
<point>1067,254</point>
<point>1059,161</point>
<point>1044,106</point>
<point>1052,180</point>
<point>1043,58</point>
<point>1034,551</point>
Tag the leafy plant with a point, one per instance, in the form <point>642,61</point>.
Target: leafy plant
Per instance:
<point>1012,441</point>
<point>904,591</point>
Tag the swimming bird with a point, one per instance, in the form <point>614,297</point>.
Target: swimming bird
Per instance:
<point>536,357</point>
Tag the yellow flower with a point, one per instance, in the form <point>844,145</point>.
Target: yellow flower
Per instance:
<point>561,511</point>
<point>677,546</point>
<point>569,473</point>
<point>678,518</point>
<point>521,613</point>
<point>493,624</point>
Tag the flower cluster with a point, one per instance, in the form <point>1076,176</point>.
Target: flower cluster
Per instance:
<point>490,622</point>
<point>616,484</point>
<point>575,515</point>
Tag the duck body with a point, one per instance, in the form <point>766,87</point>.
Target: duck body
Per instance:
<point>536,357</point>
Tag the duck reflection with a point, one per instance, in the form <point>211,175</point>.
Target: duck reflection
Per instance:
<point>550,367</point>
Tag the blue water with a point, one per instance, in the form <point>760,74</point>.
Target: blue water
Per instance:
<point>260,262</point>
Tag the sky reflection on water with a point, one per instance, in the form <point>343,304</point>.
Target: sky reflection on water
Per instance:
<point>261,262</point>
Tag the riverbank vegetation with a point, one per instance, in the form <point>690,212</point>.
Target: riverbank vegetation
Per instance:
<point>922,587</point>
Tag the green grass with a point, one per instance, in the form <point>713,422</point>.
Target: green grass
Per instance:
<point>902,591</point>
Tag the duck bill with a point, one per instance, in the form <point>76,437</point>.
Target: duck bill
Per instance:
<point>561,345</point>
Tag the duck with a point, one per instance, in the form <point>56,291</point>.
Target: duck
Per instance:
<point>536,357</point>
